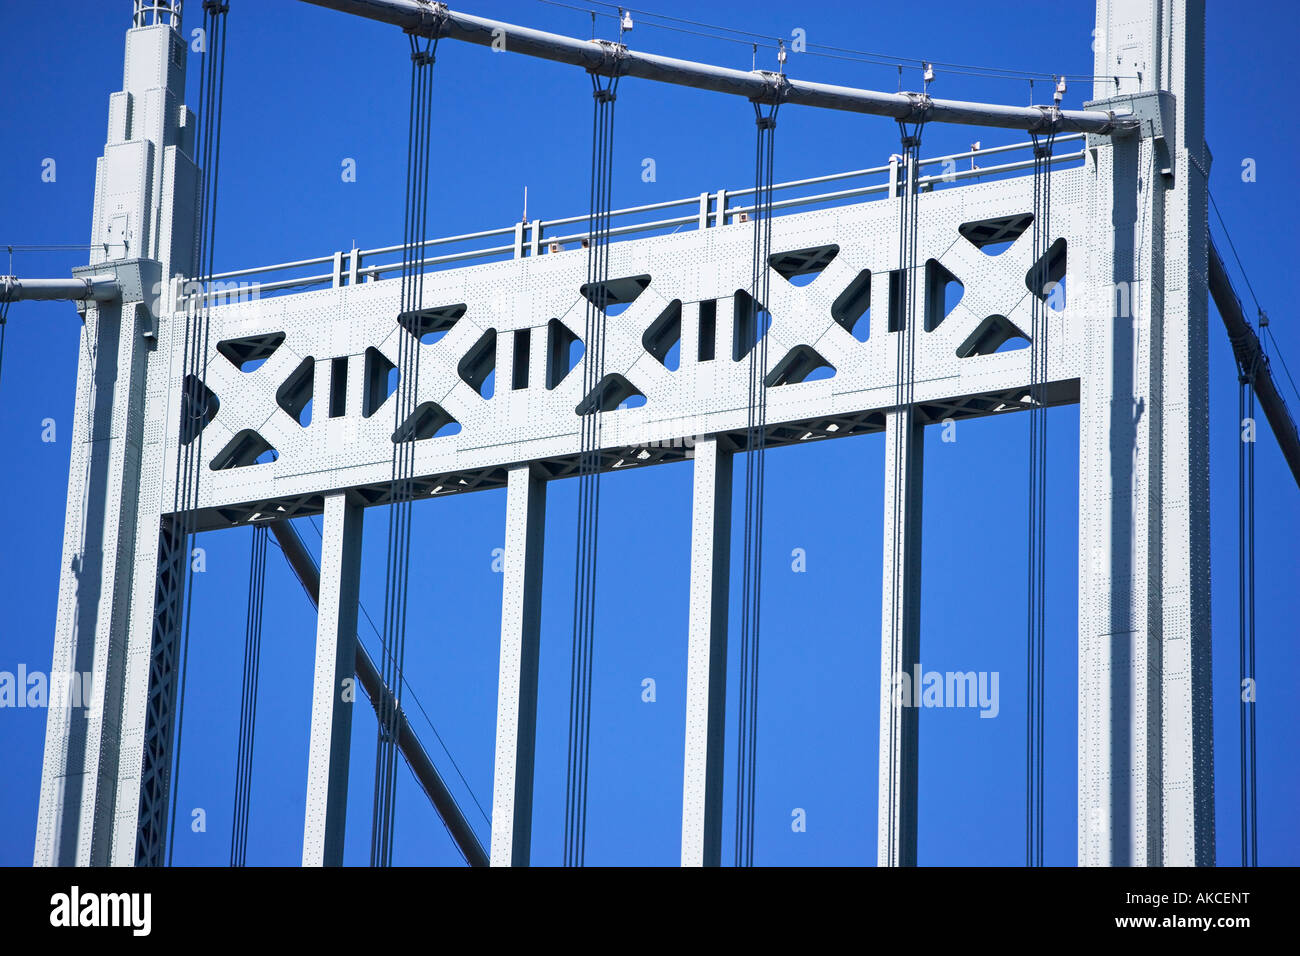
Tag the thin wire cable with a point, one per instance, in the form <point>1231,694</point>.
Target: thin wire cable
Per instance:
<point>1246,607</point>
<point>195,398</point>
<point>1277,353</point>
<point>248,698</point>
<point>48,247</point>
<point>1036,604</point>
<point>409,691</point>
<point>4,325</point>
<point>597,298</point>
<point>406,431</point>
<point>1246,564</point>
<point>906,321</point>
<point>827,51</point>
<point>1233,246</point>
<point>755,464</point>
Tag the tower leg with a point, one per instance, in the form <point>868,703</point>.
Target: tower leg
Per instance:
<point>1145,734</point>
<point>900,640</point>
<point>706,661</point>
<point>334,687</point>
<point>521,605</point>
<point>85,747</point>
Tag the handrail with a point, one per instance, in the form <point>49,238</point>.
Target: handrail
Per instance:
<point>540,237</point>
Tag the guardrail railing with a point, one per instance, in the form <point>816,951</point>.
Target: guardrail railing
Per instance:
<point>548,236</point>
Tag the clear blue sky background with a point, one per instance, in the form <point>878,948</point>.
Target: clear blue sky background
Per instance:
<point>307,87</point>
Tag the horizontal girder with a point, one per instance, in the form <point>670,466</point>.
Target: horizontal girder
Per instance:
<point>676,355</point>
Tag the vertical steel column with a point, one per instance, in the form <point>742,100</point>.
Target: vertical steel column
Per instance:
<point>1145,741</point>
<point>900,639</point>
<point>94,791</point>
<point>706,655</point>
<point>83,745</point>
<point>521,607</point>
<point>334,687</point>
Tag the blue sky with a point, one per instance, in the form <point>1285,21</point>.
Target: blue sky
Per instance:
<point>307,88</point>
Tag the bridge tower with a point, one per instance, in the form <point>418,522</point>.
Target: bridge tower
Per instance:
<point>104,773</point>
<point>1146,759</point>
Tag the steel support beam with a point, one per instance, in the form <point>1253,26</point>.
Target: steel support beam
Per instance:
<point>521,607</point>
<point>1246,348</point>
<point>900,639</point>
<point>608,58</point>
<point>706,655</point>
<point>304,567</point>
<point>331,703</point>
<point>100,288</point>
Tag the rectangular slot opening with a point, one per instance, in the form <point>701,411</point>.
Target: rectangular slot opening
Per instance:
<point>896,319</point>
<point>338,386</point>
<point>519,374</point>
<point>708,329</point>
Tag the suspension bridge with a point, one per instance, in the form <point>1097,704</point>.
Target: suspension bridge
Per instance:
<point>626,338</point>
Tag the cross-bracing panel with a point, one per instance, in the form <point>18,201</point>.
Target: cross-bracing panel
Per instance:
<point>338,346</point>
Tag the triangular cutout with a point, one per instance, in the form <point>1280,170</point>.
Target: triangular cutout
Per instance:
<point>994,236</point>
<point>747,332</point>
<point>803,264</point>
<point>381,378</point>
<point>476,368</point>
<point>249,352</point>
<point>614,292</point>
<point>294,395</point>
<point>246,448</point>
<point>991,336</point>
<point>199,406</point>
<point>663,335</point>
<point>429,420</point>
<point>943,291</point>
<point>563,352</point>
<point>429,325</point>
<point>799,365</point>
<point>854,305</point>
<point>1052,266</point>
<point>612,392</point>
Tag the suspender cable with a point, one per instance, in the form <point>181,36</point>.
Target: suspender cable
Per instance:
<point>754,330</point>
<point>597,296</point>
<point>405,433</point>
<point>196,407</point>
<point>1036,612</point>
<point>248,699</point>
<point>905,362</point>
<point>4,324</point>
<point>1246,606</point>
